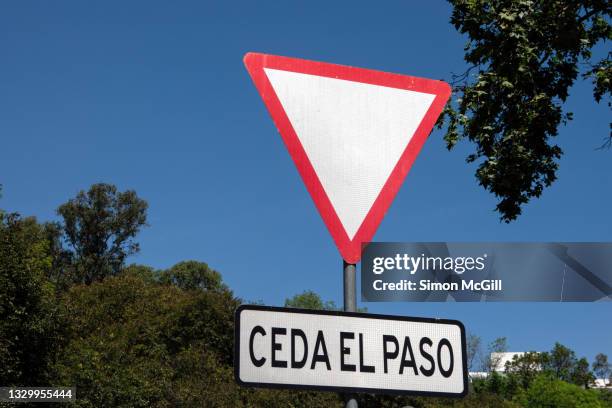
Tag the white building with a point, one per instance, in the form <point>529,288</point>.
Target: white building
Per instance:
<point>498,364</point>
<point>499,360</point>
<point>602,383</point>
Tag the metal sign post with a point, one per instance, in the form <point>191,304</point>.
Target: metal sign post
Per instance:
<point>350,305</point>
<point>350,291</point>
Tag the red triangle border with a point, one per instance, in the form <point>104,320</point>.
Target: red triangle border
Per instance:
<point>349,249</point>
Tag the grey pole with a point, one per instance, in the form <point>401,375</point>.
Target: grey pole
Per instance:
<point>350,289</point>
<point>350,305</point>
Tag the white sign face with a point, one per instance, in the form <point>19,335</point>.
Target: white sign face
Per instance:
<point>339,124</point>
<point>295,348</point>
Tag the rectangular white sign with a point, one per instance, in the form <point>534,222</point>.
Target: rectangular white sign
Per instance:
<point>338,351</point>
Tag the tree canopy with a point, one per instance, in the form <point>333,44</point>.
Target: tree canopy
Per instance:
<point>523,57</point>
<point>29,318</point>
<point>547,392</point>
<point>99,227</point>
<point>310,300</point>
<point>602,368</point>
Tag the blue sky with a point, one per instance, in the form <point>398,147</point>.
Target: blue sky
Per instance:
<point>153,96</point>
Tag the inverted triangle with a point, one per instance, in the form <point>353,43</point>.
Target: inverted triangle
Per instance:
<point>352,133</point>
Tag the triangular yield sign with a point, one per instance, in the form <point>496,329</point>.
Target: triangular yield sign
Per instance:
<point>353,134</point>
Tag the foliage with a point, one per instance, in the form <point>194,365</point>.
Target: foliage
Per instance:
<point>99,226</point>
<point>480,400</point>
<point>132,341</point>
<point>62,272</point>
<point>523,57</point>
<point>561,362</point>
<point>549,392</point>
<point>522,373</point>
<point>141,340</point>
<point>310,300</point>
<point>605,396</point>
<point>143,272</point>
<point>522,370</point>
<point>581,374</point>
<point>499,345</point>
<point>601,367</point>
<point>191,275</point>
<point>473,350</point>
<point>29,320</point>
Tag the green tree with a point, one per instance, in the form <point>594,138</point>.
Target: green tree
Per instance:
<point>29,318</point>
<point>310,300</point>
<point>548,392</point>
<point>144,272</point>
<point>472,400</point>
<point>601,367</point>
<point>495,348</point>
<point>523,57</point>
<point>525,368</point>
<point>560,362</point>
<point>62,271</point>
<point>473,350</point>
<point>191,275</point>
<point>605,396</point>
<point>496,383</point>
<point>99,227</point>
<point>581,374</point>
<point>134,342</point>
